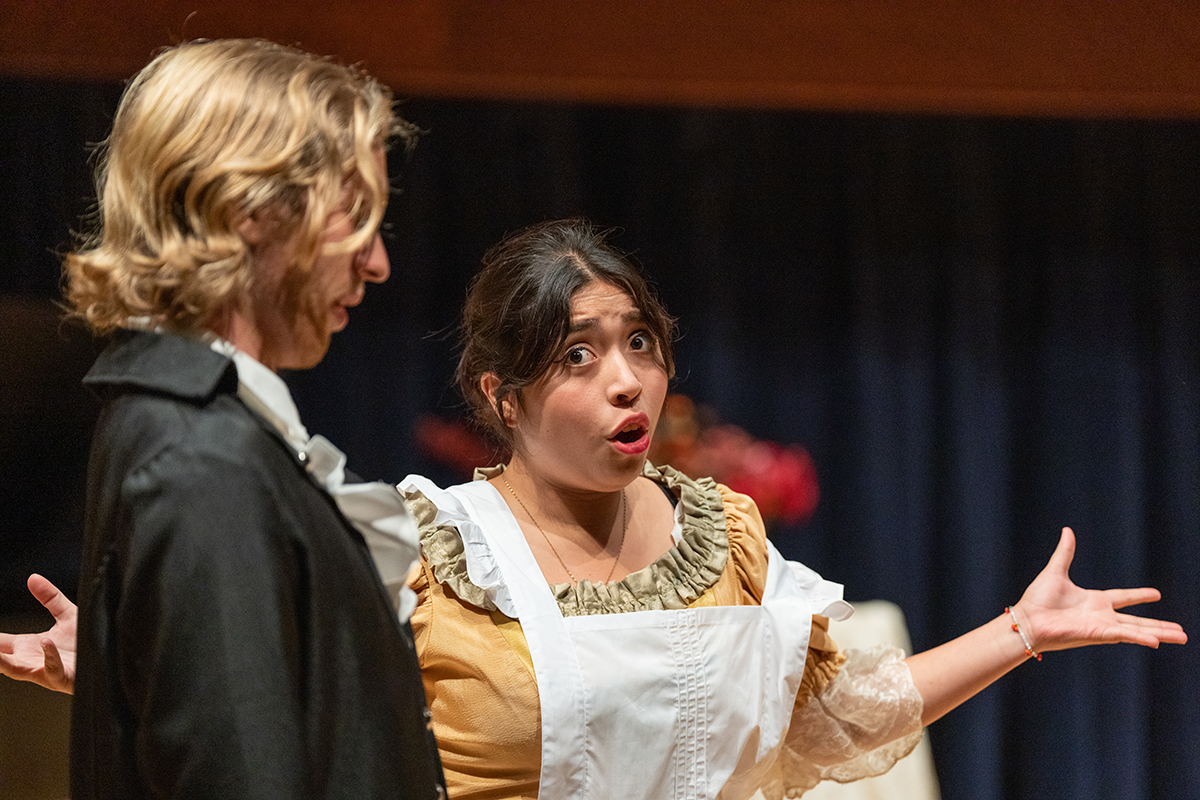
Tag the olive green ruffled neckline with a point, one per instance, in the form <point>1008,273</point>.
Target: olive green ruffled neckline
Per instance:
<point>675,580</point>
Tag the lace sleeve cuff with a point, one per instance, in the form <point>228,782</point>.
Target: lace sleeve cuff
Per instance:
<point>859,725</point>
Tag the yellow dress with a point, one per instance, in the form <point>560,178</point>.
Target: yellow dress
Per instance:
<point>476,666</point>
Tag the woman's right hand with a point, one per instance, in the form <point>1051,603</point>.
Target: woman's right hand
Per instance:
<point>47,658</point>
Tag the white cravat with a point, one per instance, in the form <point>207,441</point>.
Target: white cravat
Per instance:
<point>376,509</point>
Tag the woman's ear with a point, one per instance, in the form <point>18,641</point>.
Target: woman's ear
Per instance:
<point>489,383</point>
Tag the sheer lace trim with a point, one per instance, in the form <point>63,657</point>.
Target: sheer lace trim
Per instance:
<point>673,581</point>
<point>864,720</point>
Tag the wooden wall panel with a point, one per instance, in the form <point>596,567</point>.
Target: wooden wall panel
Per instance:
<point>1139,59</point>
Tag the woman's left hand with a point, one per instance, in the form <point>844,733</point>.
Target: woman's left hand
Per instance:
<point>1056,614</point>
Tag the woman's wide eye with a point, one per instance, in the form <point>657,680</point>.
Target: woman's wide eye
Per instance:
<point>577,356</point>
<point>640,341</point>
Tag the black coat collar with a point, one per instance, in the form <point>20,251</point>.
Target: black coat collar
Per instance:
<point>161,362</point>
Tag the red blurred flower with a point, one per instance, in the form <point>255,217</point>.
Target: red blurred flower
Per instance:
<point>455,444</point>
<point>782,479</point>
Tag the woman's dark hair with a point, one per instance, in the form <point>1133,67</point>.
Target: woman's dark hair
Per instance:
<point>518,309</point>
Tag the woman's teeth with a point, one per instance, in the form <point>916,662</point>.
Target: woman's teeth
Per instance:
<point>629,435</point>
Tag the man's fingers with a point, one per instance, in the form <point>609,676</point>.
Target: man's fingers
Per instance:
<point>49,595</point>
<point>54,664</point>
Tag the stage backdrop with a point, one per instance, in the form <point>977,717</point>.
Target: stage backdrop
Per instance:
<point>982,330</point>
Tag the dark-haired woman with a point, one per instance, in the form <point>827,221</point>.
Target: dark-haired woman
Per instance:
<point>590,625</point>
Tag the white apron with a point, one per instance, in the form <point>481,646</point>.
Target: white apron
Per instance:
<point>689,703</point>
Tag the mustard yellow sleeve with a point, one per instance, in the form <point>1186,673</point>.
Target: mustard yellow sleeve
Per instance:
<point>868,720</point>
<point>422,615</point>
<point>744,581</point>
<point>745,576</point>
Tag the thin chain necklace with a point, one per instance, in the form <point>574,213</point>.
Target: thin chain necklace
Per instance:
<point>571,575</point>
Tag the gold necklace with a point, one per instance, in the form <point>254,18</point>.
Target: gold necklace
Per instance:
<point>571,575</point>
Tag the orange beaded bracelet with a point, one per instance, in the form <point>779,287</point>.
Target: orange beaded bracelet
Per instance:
<point>1029,651</point>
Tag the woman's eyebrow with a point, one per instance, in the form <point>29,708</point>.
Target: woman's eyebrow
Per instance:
<point>584,324</point>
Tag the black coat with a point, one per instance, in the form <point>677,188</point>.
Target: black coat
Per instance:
<point>234,637</point>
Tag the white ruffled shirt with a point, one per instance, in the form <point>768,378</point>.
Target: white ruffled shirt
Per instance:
<point>376,509</point>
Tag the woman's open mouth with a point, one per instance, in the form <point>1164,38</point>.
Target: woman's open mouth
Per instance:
<point>630,434</point>
<point>632,439</point>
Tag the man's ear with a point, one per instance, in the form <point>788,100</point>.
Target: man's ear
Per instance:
<point>254,228</point>
<point>489,383</point>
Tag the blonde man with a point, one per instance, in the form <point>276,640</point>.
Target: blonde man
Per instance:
<point>234,638</point>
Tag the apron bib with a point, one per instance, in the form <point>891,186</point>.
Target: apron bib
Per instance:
<point>690,704</point>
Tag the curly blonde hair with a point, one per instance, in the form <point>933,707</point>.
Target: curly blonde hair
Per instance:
<point>206,135</point>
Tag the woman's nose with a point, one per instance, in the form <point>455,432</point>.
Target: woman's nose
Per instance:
<point>625,385</point>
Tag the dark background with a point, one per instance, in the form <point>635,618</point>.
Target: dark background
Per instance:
<point>983,329</point>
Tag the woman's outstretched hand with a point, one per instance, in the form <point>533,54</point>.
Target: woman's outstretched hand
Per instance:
<point>1056,614</point>
<point>47,658</point>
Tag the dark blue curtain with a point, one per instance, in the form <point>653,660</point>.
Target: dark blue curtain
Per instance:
<point>982,330</point>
